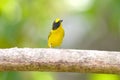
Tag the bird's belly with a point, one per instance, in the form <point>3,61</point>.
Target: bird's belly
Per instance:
<point>56,40</point>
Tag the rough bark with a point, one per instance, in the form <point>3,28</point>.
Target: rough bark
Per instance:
<point>59,60</point>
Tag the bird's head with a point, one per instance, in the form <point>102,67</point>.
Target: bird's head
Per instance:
<point>56,23</point>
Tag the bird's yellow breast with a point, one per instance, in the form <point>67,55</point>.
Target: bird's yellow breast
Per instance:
<point>56,36</point>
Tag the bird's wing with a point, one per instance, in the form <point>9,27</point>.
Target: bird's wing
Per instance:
<point>49,34</point>
<point>63,33</point>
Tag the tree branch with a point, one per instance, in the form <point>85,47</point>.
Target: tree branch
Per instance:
<point>61,60</point>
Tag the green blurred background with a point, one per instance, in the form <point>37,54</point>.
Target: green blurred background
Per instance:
<point>88,24</point>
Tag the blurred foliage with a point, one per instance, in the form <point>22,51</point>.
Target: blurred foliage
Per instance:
<point>10,76</point>
<point>26,23</point>
<point>104,77</point>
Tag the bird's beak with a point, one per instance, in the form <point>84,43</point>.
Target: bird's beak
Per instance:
<point>61,20</point>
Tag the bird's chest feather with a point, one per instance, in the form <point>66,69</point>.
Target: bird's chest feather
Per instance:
<point>57,35</point>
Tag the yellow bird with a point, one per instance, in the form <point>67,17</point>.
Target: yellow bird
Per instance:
<point>56,35</point>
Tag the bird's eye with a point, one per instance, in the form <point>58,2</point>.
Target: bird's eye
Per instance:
<point>55,25</point>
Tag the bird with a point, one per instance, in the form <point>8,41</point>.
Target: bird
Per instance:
<point>56,35</point>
